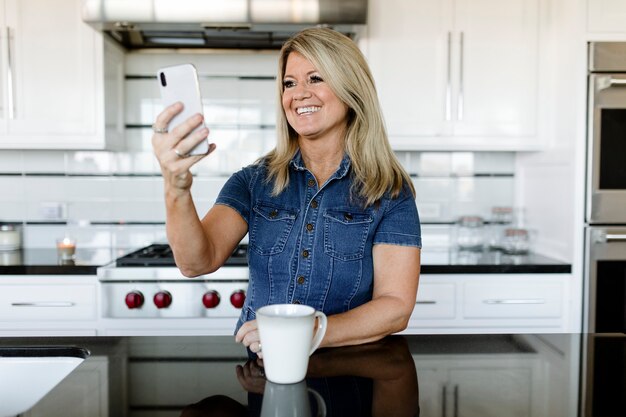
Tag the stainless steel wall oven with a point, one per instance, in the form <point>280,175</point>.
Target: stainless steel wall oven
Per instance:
<point>606,146</point>
<point>605,234</point>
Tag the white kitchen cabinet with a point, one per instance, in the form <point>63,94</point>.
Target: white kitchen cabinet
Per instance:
<point>51,77</point>
<point>456,74</point>
<point>48,305</point>
<point>463,384</point>
<point>492,303</point>
<point>492,392</point>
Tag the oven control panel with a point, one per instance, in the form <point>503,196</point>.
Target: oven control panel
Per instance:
<point>173,299</point>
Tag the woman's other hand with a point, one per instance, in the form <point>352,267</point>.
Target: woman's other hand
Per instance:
<point>251,376</point>
<point>248,334</point>
<point>171,150</point>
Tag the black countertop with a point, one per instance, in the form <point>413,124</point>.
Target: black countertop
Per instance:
<point>46,261</point>
<point>563,375</point>
<point>86,262</point>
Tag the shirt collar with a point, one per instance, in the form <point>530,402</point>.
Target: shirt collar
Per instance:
<point>298,164</point>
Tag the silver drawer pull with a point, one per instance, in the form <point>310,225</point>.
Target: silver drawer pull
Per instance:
<point>426,302</point>
<point>516,301</point>
<point>45,304</point>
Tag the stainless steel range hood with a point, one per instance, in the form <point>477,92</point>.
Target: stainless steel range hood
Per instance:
<point>251,24</point>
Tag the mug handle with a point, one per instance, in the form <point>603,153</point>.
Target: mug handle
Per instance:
<point>321,404</point>
<point>321,331</point>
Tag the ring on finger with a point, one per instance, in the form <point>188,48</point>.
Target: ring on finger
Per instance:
<point>259,347</point>
<point>179,154</point>
<point>156,129</point>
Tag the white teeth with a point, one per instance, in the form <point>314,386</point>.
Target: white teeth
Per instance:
<point>311,109</point>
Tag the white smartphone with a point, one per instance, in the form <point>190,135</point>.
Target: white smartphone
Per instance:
<point>180,83</point>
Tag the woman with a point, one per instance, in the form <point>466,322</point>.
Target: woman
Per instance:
<point>330,212</point>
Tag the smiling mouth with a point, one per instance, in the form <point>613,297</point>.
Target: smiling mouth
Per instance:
<point>307,110</point>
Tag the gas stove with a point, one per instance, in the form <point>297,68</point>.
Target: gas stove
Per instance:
<point>146,285</point>
<point>161,255</point>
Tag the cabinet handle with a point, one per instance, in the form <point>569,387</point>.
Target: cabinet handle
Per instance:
<point>516,301</point>
<point>456,401</point>
<point>44,304</point>
<point>459,108</point>
<point>449,80</point>
<point>613,81</point>
<point>10,80</point>
<point>426,302</point>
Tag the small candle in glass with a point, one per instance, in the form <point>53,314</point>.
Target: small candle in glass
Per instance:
<point>66,248</point>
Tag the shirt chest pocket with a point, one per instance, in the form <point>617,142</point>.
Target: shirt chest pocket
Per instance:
<point>270,228</point>
<point>345,234</point>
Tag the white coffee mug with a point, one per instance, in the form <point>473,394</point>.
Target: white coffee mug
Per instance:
<point>287,341</point>
<point>290,400</point>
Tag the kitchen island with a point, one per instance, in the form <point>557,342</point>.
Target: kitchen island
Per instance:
<point>429,375</point>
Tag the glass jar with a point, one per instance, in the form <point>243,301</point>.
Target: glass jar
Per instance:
<point>516,241</point>
<point>470,233</point>
<point>501,219</point>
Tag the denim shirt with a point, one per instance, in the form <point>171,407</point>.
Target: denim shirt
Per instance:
<point>312,244</point>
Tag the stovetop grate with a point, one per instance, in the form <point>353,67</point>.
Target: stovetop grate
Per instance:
<point>159,254</point>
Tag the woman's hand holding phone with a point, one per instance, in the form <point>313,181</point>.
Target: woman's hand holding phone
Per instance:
<point>180,136</point>
<point>172,147</point>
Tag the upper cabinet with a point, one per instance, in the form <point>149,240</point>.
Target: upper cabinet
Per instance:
<point>51,77</point>
<point>456,74</point>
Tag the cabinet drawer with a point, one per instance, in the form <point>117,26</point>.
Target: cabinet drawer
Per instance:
<point>519,299</point>
<point>47,302</point>
<point>434,301</point>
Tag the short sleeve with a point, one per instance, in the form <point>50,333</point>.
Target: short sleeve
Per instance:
<point>236,192</point>
<point>400,224</point>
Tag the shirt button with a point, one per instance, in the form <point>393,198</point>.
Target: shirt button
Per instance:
<point>314,204</point>
<point>296,302</point>
<point>273,213</point>
<point>300,279</point>
<point>309,227</point>
<point>311,182</point>
<point>347,216</point>
<point>305,253</point>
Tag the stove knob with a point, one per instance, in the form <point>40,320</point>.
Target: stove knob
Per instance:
<point>211,299</point>
<point>134,299</point>
<point>237,298</point>
<point>162,299</point>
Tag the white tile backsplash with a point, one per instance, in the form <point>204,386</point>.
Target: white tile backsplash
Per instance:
<point>82,162</point>
<point>239,93</point>
<point>44,161</point>
<point>11,161</point>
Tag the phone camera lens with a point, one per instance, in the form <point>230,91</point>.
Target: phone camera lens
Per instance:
<point>163,82</point>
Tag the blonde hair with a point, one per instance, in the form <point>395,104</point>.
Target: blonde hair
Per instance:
<point>375,168</point>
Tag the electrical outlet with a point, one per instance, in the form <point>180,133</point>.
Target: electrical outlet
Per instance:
<point>52,210</point>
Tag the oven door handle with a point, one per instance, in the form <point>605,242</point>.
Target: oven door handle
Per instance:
<point>605,82</point>
<point>610,237</point>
